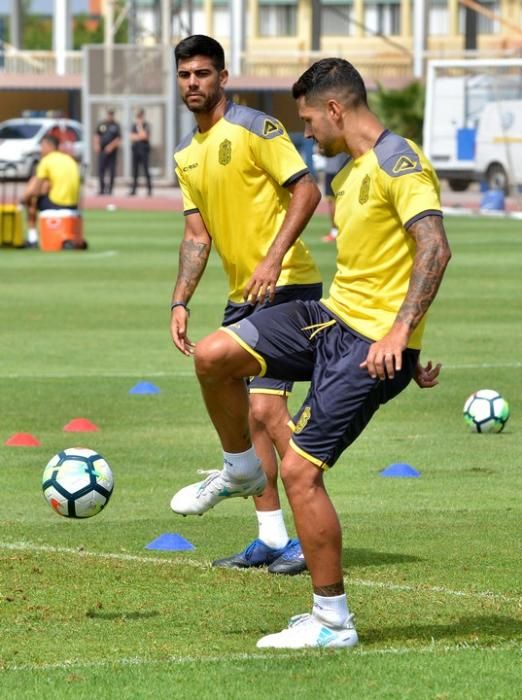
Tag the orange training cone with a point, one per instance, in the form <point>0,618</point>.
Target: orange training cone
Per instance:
<point>80,425</point>
<point>22,440</point>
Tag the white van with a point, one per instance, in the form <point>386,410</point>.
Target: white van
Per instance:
<point>498,145</point>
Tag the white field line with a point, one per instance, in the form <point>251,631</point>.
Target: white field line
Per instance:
<point>95,375</point>
<point>31,547</point>
<point>190,373</point>
<point>72,664</point>
<point>83,256</point>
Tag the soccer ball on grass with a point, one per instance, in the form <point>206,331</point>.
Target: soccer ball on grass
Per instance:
<point>77,483</point>
<point>486,411</point>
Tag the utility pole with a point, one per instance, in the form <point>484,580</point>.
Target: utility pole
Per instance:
<point>62,31</point>
<point>315,38</point>
<point>2,35</point>
<point>237,35</point>
<point>16,24</point>
<point>420,32</point>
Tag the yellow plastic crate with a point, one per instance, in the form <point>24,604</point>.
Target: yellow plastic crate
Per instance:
<point>11,226</point>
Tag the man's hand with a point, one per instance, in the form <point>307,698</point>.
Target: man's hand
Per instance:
<point>262,285</point>
<point>385,356</point>
<point>427,376</point>
<point>178,331</point>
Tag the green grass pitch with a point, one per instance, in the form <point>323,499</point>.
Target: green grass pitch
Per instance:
<point>432,565</point>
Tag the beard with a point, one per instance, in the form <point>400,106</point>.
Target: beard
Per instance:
<point>329,149</point>
<point>208,103</point>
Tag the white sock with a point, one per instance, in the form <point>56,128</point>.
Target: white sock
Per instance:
<point>333,610</point>
<point>241,466</point>
<point>272,528</point>
<point>32,235</point>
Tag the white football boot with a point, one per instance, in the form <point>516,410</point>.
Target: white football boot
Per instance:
<point>308,631</point>
<point>197,498</point>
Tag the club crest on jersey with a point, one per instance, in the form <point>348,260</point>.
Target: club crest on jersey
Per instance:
<point>270,127</point>
<point>225,152</point>
<point>303,419</point>
<point>365,190</point>
<point>404,164</point>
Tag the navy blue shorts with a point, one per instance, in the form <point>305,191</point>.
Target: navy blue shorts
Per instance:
<point>237,312</point>
<point>43,202</point>
<point>303,341</point>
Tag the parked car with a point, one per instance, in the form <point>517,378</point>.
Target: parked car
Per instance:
<point>20,143</point>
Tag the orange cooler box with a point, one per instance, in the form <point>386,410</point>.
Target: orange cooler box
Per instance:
<point>59,226</point>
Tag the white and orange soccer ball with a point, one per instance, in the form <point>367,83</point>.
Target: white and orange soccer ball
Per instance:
<point>77,483</point>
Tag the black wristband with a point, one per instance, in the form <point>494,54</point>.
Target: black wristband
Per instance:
<point>180,303</point>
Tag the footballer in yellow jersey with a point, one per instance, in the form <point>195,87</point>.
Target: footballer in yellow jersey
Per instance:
<point>56,185</point>
<point>63,175</point>
<point>248,194</point>
<point>236,176</point>
<point>378,197</point>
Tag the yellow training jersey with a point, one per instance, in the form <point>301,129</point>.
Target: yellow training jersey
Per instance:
<point>235,175</point>
<point>63,173</point>
<point>378,196</point>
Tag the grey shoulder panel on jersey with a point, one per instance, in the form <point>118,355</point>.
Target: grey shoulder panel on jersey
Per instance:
<point>185,141</point>
<point>396,157</point>
<point>254,121</point>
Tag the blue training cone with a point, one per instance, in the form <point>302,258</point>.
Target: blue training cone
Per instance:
<point>400,470</point>
<point>170,541</point>
<point>144,388</point>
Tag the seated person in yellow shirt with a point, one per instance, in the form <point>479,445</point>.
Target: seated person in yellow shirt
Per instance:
<point>56,185</point>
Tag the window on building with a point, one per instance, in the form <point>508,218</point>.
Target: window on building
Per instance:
<point>183,23</point>
<point>438,19</point>
<point>485,25</point>
<point>221,20</point>
<point>277,19</point>
<point>383,17</point>
<point>336,19</point>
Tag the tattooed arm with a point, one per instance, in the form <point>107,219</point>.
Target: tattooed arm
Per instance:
<point>305,198</point>
<point>193,255</point>
<point>431,257</point>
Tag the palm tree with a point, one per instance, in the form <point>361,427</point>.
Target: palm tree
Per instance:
<point>401,110</point>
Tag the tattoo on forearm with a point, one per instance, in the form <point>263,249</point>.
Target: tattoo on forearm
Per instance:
<point>330,590</point>
<point>192,262</point>
<point>431,258</point>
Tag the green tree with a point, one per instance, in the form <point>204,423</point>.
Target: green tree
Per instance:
<point>37,31</point>
<point>85,33</point>
<point>402,111</point>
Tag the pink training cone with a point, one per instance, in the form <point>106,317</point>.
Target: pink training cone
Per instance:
<point>80,425</point>
<point>22,440</point>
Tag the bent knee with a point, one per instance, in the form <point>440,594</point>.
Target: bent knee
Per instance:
<point>218,356</point>
<point>211,353</point>
<point>299,475</point>
<point>269,410</point>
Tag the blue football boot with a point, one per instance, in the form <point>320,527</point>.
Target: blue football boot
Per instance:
<point>291,561</point>
<point>257,553</point>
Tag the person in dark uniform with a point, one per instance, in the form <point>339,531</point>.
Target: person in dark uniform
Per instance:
<point>140,139</point>
<point>107,140</point>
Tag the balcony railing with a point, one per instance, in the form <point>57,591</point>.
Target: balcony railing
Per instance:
<point>377,66</point>
<point>39,62</point>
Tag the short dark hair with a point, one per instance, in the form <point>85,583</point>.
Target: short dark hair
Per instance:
<point>333,75</point>
<point>201,45</point>
<point>55,143</point>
